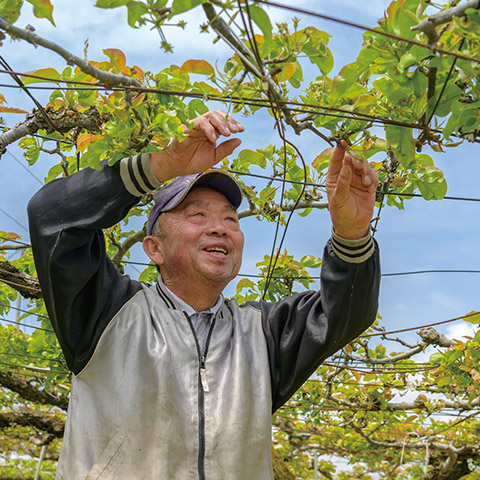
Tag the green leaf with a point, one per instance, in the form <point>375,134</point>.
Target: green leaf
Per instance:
<point>43,9</point>
<point>310,261</point>
<point>432,184</point>
<point>473,318</point>
<point>180,6</point>
<point>305,212</point>
<point>32,154</point>
<point>136,10</point>
<point>49,72</point>
<point>406,61</point>
<point>197,107</point>
<point>111,3</point>
<point>319,55</point>
<point>249,157</point>
<point>402,143</point>
<point>54,172</point>
<point>10,10</point>
<point>261,18</point>
<point>406,20</point>
<point>244,283</point>
<point>420,84</point>
<point>343,81</point>
<point>436,358</point>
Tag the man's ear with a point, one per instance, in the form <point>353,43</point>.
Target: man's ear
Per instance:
<point>153,248</point>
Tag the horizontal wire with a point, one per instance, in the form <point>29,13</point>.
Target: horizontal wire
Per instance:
<point>419,272</point>
<point>300,277</point>
<point>321,185</point>
<point>354,409</point>
<point>38,370</point>
<point>14,241</point>
<point>13,354</point>
<point>379,371</point>
<point>5,320</point>
<point>257,102</point>
<point>329,18</point>
<point>324,432</point>
<point>23,310</point>
<point>239,101</point>
<point>421,326</point>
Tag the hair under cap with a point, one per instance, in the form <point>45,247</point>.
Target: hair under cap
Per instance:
<point>168,197</point>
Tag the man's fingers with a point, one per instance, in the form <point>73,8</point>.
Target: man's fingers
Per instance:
<point>225,123</point>
<point>226,148</point>
<point>344,181</point>
<point>336,161</point>
<point>365,176</point>
<point>215,123</point>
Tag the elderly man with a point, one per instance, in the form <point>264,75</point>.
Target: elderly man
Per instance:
<point>172,380</point>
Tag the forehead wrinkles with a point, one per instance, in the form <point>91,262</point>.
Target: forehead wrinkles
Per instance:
<point>205,204</point>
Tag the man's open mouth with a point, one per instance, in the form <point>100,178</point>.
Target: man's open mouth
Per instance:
<point>217,250</point>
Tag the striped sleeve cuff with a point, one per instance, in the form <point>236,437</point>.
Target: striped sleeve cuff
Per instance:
<point>137,175</point>
<point>353,251</point>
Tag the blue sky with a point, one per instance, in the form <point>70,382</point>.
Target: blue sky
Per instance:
<point>426,235</point>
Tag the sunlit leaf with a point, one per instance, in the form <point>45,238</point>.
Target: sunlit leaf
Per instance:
<point>201,67</point>
<point>10,10</point>
<point>287,72</point>
<point>49,74</point>
<point>85,139</point>
<point>249,157</point>
<point>4,108</point>
<point>322,160</point>
<point>117,57</point>
<point>43,9</point>
<point>473,317</point>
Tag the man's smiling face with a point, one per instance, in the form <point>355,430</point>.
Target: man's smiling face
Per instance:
<point>202,241</point>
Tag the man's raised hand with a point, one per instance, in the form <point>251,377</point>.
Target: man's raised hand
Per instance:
<point>351,185</point>
<point>199,150</point>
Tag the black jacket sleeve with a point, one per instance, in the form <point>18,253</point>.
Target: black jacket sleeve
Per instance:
<point>304,329</point>
<point>81,287</point>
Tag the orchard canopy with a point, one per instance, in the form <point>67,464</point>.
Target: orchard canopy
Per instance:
<point>383,407</point>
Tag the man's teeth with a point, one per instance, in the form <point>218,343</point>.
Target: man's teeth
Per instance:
<point>217,251</point>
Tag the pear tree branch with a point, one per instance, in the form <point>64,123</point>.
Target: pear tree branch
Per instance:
<point>428,25</point>
<point>28,34</point>
<point>249,212</point>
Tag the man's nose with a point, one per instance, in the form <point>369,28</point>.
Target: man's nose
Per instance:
<point>216,227</point>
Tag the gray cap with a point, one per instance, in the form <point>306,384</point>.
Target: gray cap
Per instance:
<point>168,197</point>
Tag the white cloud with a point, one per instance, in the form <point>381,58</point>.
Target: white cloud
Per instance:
<point>460,330</point>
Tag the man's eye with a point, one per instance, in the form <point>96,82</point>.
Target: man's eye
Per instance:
<point>199,214</point>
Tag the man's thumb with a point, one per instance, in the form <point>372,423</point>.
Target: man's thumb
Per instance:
<point>226,148</point>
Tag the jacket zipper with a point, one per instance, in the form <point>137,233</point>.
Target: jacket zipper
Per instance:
<point>202,389</point>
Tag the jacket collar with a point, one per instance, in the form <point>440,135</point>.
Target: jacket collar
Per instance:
<point>176,303</point>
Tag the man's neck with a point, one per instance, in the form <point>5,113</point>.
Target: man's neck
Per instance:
<point>198,300</point>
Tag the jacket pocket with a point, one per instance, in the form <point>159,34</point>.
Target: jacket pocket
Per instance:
<point>105,463</point>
